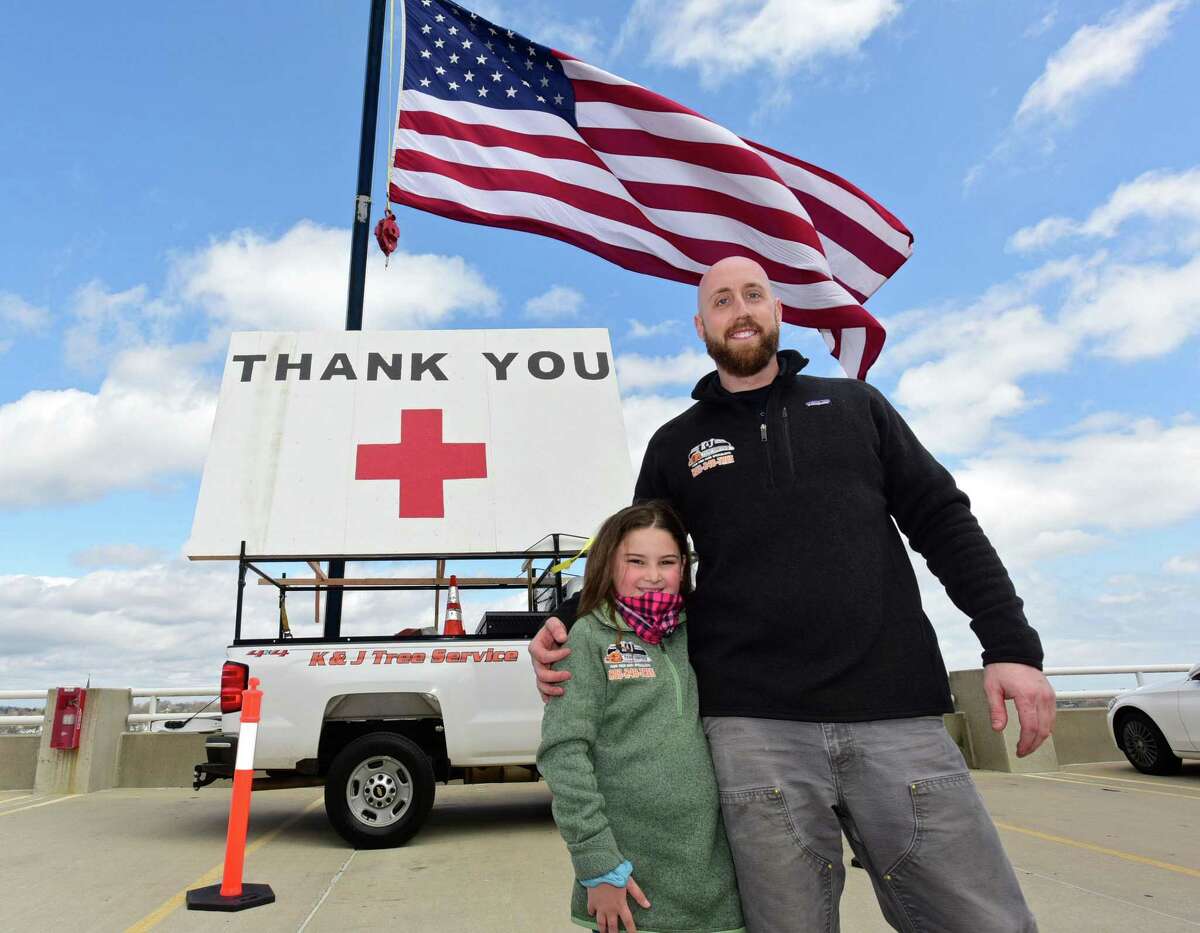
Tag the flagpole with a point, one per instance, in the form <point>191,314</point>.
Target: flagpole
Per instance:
<point>359,239</point>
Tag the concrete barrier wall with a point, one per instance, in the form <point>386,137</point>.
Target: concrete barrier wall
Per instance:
<point>18,761</point>
<point>158,759</point>
<point>956,725</point>
<point>1082,735</point>
<point>112,757</point>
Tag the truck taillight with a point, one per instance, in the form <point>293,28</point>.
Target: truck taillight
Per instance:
<point>234,677</point>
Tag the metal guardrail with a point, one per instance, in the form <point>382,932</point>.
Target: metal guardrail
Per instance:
<point>152,715</point>
<point>1137,670</point>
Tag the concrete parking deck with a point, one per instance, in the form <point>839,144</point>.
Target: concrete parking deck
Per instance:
<point>1097,847</point>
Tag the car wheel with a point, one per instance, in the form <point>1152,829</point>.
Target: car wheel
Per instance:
<point>1145,746</point>
<point>379,791</point>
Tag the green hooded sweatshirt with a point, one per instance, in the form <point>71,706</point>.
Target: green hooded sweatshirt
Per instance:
<point>626,758</point>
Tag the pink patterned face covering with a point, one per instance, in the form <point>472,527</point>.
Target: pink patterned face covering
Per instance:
<point>652,616</point>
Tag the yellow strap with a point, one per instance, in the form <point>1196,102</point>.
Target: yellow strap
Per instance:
<point>566,564</point>
<point>388,153</point>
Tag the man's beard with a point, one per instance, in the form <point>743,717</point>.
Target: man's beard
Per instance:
<point>747,360</point>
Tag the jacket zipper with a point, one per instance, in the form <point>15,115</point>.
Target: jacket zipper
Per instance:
<point>675,677</point>
<point>787,444</point>
<point>762,432</point>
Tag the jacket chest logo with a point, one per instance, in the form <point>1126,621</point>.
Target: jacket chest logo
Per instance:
<point>627,660</point>
<point>709,454</point>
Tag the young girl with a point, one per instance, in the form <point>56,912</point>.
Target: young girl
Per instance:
<point>623,750</point>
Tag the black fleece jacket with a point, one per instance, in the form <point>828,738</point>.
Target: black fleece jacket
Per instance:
<point>806,606</point>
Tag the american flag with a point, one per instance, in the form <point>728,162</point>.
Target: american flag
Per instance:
<point>493,128</point>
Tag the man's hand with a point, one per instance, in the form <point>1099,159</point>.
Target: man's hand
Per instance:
<point>1033,696</point>
<point>608,905</point>
<point>544,651</point>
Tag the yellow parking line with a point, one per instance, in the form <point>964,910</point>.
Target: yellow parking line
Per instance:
<point>34,806</point>
<point>1115,853</point>
<point>8,800</point>
<point>1105,777</point>
<point>175,901</point>
<point>1132,790</point>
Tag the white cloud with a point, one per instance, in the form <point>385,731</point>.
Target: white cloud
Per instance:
<point>1038,499</point>
<point>1078,629</point>
<point>1160,196</point>
<point>165,624</point>
<point>150,418</point>
<point>116,555</point>
<point>723,40</point>
<point>962,368</point>
<point>640,331</point>
<point>1097,57</point>
<point>105,322</point>
<point>1136,312</point>
<point>637,372</point>
<point>1043,25</point>
<point>554,304</point>
<point>1180,564</point>
<point>954,400</point>
<point>645,414</point>
<point>17,314</point>
<point>298,282</point>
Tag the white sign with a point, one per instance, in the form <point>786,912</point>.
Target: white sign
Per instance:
<point>363,444</point>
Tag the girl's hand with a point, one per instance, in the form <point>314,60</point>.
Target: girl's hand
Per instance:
<point>608,905</point>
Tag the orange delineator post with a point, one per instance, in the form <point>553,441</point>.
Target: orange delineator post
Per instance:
<point>231,894</point>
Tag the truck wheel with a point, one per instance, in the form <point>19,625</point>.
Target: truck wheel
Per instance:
<point>1145,746</point>
<point>379,791</point>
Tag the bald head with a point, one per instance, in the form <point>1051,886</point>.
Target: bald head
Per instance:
<point>730,275</point>
<point>738,319</point>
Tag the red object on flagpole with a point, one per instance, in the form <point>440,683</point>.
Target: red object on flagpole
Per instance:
<point>231,894</point>
<point>387,233</point>
<point>454,624</point>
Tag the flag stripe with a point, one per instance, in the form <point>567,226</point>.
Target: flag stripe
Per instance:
<point>813,171</point>
<point>685,216</point>
<point>841,200</point>
<point>432,124</point>
<point>702,251</point>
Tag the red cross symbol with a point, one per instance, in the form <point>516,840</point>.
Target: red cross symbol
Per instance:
<point>421,462</point>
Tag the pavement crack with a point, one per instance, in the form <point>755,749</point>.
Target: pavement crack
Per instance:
<point>324,894</point>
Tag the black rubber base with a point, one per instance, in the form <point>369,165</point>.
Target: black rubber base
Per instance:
<point>210,898</point>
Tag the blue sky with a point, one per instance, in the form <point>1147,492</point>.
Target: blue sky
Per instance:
<point>157,161</point>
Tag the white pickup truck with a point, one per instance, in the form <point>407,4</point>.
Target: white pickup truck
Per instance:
<point>380,720</point>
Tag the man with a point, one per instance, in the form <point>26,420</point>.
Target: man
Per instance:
<point>821,683</point>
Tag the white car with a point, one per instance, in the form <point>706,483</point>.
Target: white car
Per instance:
<point>1158,725</point>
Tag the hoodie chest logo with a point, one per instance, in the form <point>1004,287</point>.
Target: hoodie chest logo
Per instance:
<point>709,454</point>
<point>627,660</point>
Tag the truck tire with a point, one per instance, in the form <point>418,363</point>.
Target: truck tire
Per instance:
<point>379,791</point>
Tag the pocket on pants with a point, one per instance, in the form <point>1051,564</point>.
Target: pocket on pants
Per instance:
<point>785,887</point>
<point>954,874</point>
<point>941,815</point>
<point>762,834</point>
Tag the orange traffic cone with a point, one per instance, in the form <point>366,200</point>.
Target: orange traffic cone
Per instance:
<point>453,624</point>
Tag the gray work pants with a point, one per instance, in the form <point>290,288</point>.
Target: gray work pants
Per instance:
<point>899,790</point>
